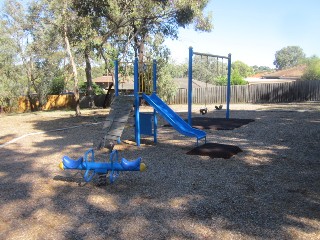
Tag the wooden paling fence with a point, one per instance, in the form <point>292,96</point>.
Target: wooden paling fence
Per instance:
<point>257,93</point>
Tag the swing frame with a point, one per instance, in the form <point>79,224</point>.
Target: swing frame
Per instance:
<point>191,53</point>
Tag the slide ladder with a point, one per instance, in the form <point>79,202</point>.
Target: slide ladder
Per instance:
<point>116,120</point>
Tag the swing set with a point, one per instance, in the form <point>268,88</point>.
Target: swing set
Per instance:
<point>217,65</point>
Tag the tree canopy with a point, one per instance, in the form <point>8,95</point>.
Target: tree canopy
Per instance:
<point>243,69</point>
<point>134,22</point>
<point>50,41</point>
<point>289,57</point>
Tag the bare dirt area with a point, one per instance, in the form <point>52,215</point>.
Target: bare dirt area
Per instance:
<point>271,190</point>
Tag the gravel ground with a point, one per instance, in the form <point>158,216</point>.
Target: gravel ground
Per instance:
<point>269,191</point>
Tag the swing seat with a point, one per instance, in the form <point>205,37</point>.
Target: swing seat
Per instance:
<point>218,108</point>
<point>203,110</point>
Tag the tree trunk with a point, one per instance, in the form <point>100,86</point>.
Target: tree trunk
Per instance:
<point>32,99</point>
<point>74,71</point>
<point>89,78</point>
<point>142,73</point>
<point>141,51</point>
<point>108,97</point>
<point>106,63</point>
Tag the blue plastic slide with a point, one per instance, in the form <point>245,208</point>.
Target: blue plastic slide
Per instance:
<point>173,118</point>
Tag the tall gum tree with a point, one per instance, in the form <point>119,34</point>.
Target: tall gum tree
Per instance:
<point>36,48</point>
<point>141,18</point>
<point>60,14</point>
<point>135,21</point>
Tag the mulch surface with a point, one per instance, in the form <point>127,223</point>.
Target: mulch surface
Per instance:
<point>215,150</point>
<point>219,123</point>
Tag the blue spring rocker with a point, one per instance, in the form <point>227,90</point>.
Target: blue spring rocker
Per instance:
<point>91,167</point>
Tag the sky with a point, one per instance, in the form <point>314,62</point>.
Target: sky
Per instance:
<point>253,30</point>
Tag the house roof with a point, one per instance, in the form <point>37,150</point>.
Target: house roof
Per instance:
<point>103,79</point>
<point>290,73</point>
<point>183,83</point>
<point>128,84</point>
<point>180,82</point>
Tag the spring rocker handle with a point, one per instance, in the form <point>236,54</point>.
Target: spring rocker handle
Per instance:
<point>88,157</point>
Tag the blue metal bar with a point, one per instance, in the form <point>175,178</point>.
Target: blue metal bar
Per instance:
<point>209,55</point>
<point>228,87</point>
<point>136,101</point>
<point>155,126</point>
<point>190,86</point>
<point>154,70</point>
<point>116,77</point>
<point>155,120</point>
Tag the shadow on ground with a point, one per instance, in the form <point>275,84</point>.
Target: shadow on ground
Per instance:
<point>270,190</point>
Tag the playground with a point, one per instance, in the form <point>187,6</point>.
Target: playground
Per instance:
<point>269,190</point>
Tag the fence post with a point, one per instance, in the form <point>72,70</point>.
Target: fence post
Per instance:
<point>228,87</point>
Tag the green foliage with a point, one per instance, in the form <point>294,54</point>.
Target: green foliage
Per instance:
<point>236,79</point>
<point>37,48</point>
<point>243,69</point>
<point>203,71</point>
<point>97,90</point>
<point>178,70</point>
<point>313,70</point>
<point>221,80</point>
<point>12,82</point>
<point>166,88</point>
<point>57,86</point>
<point>98,71</point>
<point>261,69</point>
<point>146,15</point>
<point>289,57</point>
<point>214,71</point>
<point>9,92</point>
<point>209,69</point>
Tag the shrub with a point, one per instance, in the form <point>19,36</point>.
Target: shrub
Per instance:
<point>236,79</point>
<point>243,69</point>
<point>97,90</point>
<point>57,86</point>
<point>313,70</point>
<point>166,87</point>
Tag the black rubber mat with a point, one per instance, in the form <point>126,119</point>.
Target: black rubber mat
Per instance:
<point>215,150</point>
<point>219,123</point>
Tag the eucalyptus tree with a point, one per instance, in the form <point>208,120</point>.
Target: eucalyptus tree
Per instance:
<point>60,15</point>
<point>83,35</point>
<point>12,47</point>
<point>35,48</point>
<point>72,31</point>
<point>44,51</point>
<point>85,39</point>
<point>289,57</point>
<point>135,20</point>
<point>11,83</point>
<point>139,27</point>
